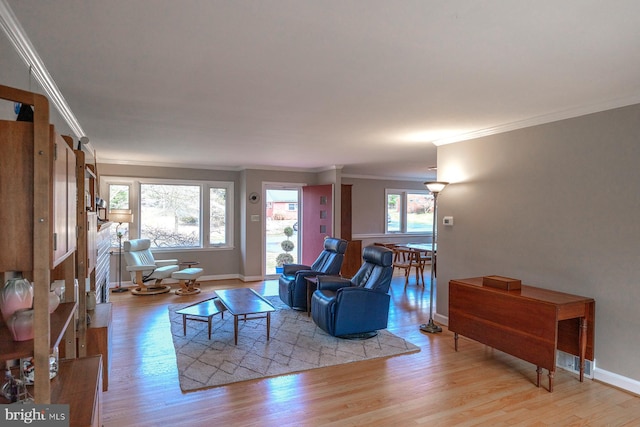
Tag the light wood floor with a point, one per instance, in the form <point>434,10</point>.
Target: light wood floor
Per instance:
<point>476,386</point>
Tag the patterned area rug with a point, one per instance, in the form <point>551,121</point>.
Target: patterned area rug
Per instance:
<point>296,344</point>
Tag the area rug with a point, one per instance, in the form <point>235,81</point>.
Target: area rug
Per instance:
<point>296,344</point>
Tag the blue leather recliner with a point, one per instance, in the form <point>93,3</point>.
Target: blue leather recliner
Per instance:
<point>292,283</point>
<point>358,307</point>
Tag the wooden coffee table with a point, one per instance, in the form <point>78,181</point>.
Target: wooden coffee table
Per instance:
<point>243,302</point>
<point>201,312</point>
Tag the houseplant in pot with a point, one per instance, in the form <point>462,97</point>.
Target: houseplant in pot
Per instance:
<point>287,246</point>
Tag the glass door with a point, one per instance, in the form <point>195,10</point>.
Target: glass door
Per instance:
<point>282,220</point>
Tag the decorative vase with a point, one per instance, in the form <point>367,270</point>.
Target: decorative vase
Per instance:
<point>91,300</point>
<point>54,302</point>
<point>58,287</point>
<point>17,294</point>
<point>21,325</point>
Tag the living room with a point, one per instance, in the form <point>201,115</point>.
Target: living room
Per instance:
<point>548,197</point>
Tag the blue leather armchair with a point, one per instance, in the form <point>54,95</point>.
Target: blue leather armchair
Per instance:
<point>292,283</point>
<point>358,307</point>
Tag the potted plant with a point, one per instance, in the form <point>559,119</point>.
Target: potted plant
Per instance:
<point>287,246</point>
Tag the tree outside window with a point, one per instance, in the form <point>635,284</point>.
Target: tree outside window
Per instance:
<point>176,214</point>
<point>170,215</point>
<point>218,216</point>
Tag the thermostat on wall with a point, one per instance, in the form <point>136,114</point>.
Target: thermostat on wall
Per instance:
<point>447,220</point>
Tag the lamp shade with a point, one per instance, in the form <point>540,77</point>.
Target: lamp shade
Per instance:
<point>120,215</point>
<point>435,186</point>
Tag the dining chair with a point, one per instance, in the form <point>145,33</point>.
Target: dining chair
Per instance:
<point>405,259</point>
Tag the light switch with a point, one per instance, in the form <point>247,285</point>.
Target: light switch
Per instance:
<point>447,220</point>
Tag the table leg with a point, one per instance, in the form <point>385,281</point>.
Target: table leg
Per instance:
<point>184,324</point>
<point>209,326</point>
<point>539,372</point>
<point>455,340</point>
<point>235,328</point>
<point>583,345</point>
<point>268,324</point>
<point>551,374</point>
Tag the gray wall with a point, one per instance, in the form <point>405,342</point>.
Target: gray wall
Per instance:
<point>369,207</point>
<point>245,258</point>
<point>253,236</point>
<point>216,262</point>
<point>557,206</point>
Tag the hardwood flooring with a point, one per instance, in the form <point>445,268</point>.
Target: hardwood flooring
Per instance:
<point>476,386</point>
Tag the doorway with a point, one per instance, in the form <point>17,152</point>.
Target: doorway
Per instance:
<point>282,225</point>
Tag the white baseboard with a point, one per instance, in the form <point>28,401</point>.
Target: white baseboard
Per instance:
<point>610,378</point>
<point>616,380</point>
<point>251,278</point>
<point>443,320</point>
<point>170,281</point>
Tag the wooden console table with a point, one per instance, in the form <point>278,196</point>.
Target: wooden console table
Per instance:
<point>529,323</point>
<point>99,339</point>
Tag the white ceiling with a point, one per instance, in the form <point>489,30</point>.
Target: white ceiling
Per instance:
<point>364,84</point>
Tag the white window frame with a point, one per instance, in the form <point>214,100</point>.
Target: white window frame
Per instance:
<point>205,186</point>
<point>403,193</point>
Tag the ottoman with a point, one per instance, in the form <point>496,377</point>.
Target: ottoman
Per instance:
<point>187,278</point>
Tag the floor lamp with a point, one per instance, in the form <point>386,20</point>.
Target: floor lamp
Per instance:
<point>435,187</point>
<point>120,216</point>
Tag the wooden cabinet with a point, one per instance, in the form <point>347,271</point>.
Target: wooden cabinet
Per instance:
<point>79,384</point>
<point>353,255</point>
<point>38,198</point>
<point>528,323</point>
<point>64,197</point>
<point>352,259</point>
<point>17,198</point>
<point>99,339</point>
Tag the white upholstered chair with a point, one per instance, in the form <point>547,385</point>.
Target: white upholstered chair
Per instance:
<point>144,267</point>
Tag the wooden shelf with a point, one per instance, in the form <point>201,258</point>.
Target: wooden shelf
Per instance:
<point>10,349</point>
<point>99,338</point>
<point>79,385</point>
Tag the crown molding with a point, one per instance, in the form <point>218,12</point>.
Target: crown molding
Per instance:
<point>543,119</point>
<point>16,34</point>
<point>385,177</point>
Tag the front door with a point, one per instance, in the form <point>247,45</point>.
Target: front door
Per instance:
<point>317,220</point>
<point>281,228</point>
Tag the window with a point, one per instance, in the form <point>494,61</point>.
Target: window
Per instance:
<point>119,197</point>
<point>177,214</point>
<point>409,211</point>
<point>170,215</point>
<point>218,213</point>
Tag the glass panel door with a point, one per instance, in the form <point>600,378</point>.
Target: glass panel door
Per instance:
<point>282,219</point>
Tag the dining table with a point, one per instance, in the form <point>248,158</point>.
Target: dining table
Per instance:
<point>426,252</point>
